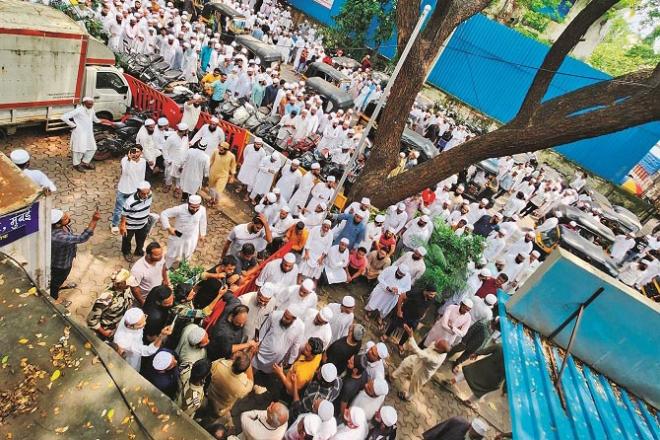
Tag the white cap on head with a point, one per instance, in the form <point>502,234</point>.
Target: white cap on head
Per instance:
<point>56,215</point>
<point>401,206</point>
<point>358,417</point>
<point>88,99</point>
<point>383,353</point>
<point>485,272</point>
<point>289,258</point>
<point>421,251</point>
<point>329,372</point>
<point>19,156</point>
<point>327,222</point>
<point>388,415</point>
<point>258,140</point>
<point>163,121</point>
<point>316,166</point>
<point>308,284</point>
<point>215,120</point>
<point>285,208</point>
<point>149,122</point>
<point>345,240</point>
<point>380,387</point>
<point>197,96</point>
<point>182,126</point>
<point>133,316</point>
<point>267,290</point>
<point>530,234</point>
<point>326,410</point>
<point>312,423</point>
<point>365,201</point>
<point>490,299</point>
<point>348,301</point>
<point>467,302</point>
<point>195,200</point>
<point>271,197</point>
<point>326,314</point>
<point>425,218</point>
<point>536,254</point>
<point>404,269</point>
<point>484,201</point>
<point>295,162</point>
<point>144,185</point>
<point>195,334</point>
<point>479,426</point>
<point>380,218</point>
<point>331,179</point>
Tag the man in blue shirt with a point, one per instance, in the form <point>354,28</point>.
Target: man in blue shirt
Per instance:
<point>219,89</point>
<point>354,230</point>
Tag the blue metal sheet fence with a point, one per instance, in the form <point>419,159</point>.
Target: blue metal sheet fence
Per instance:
<point>490,67</point>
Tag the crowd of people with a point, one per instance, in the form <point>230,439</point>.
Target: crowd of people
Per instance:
<point>254,324</point>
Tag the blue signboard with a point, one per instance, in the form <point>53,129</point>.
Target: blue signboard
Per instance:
<point>19,224</point>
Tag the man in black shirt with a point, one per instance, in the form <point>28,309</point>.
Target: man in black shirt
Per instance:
<point>247,259</point>
<point>227,334</point>
<point>354,381</point>
<point>487,224</point>
<point>215,279</point>
<point>344,348</point>
<point>410,309</point>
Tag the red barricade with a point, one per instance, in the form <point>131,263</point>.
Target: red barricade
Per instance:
<point>148,98</point>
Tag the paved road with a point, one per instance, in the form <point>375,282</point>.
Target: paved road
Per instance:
<point>81,193</point>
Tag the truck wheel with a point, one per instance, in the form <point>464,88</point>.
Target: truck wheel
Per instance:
<point>105,115</point>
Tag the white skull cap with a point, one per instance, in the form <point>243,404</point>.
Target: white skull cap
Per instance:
<point>308,284</point>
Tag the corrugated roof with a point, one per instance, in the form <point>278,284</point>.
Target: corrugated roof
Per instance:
<point>16,190</point>
<point>596,408</point>
<point>16,14</point>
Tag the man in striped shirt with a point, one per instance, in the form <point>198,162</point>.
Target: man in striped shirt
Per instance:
<point>135,220</point>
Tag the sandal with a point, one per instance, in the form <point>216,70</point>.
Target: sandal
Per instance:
<point>64,303</point>
<point>69,286</point>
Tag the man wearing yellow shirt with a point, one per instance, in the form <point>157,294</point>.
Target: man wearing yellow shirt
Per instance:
<point>297,235</point>
<point>209,79</point>
<point>304,368</point>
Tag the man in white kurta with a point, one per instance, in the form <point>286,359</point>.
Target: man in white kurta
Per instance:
<point>299,198</point>
<point>261,305</point>
<point>414,261</point>
<point>174,153</point>
<point>211,135</point>
<point>282,272</point>
<point>302,296</point>
<point>452,325</point>
<point>195,169</point>
<point>336,262</point>
<point>83,144</point>
<point>282,222</point>
<point>316,250</point>
<point>392,282</point>
<point>371,398</point>
<point>342,317</point>
<point>396,217</point>
<point>190,226</point>
<point>252,156</point>
<point>280,339</point>
<point>417,232</point>
<point>268,168</point>
<point>289,180</point>
<point>317,325</point>
<point>322,192</point>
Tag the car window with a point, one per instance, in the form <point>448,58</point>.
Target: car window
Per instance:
<point>109,80</point>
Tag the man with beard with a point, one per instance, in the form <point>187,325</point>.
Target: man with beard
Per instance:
<point>299,198</point>
<point>342,317</point>
<point>194,170</point>
<point>261,305</point>
<point>301,296</point>
<point>222,171</point>
<point>110,306</point>
<point>210,135</point>
<point>322,192</point>
<point>280,338</point>
<point>354,229</point>
<point>336,262</point>
<point>415,261</point>
<point>83,145</point>
<point>452,325</point>
<point>247,233</point>
<point>392,282</point>
<point>135,220</point>
<point>410,310</point>
<point>316,250</point>
<point>148,140</point>
<point>190,227</point>
<point>290,180</point>
<point>227,335</point>
<point>282,272</point>
<point>115,30</point>
<point>191,111</point>
<point>174,153</point>
<point>252,155</point>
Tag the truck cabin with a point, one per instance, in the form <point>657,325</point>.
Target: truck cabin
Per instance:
<point>224,19</point>
<point>332,96</point>
<point>328,73</point>
<point>266,53</point>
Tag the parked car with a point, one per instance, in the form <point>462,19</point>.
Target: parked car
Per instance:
<point>328,73</point>
<point>267,53</point>
<point>577,244</point>
<point>332,96</point>
<point>346,62</point>
<point>411,140</point>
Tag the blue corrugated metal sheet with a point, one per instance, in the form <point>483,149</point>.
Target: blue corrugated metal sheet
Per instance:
<point>595,407</point>
<point>490,67</point>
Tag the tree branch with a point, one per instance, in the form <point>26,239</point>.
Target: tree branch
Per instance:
<point>556,55</point>
<point>407,13</point>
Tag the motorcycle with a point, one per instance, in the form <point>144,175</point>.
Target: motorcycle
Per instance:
<point>266,126</point>
<point>256,119</point>
<point>115,139</point>
<point>226,109</point>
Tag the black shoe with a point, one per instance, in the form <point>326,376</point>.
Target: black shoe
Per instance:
<point>79,168</point>
<point>128,257</point>
<point>88,166</point>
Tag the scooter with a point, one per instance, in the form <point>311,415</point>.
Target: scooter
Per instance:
<point>266,126</point>
<point>256,119</point>
<point>242,113</point>
<point>226,109</point>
